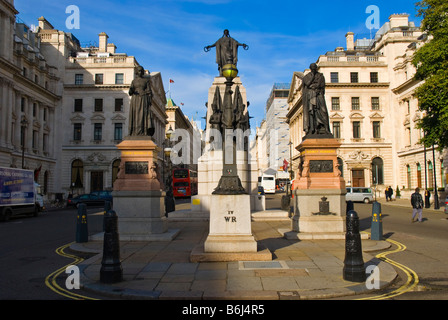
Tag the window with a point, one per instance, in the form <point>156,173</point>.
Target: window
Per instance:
<point>355,103</point>
<point>35,142</point>
<point>77,174</point>
<point>99,78</point>
<point>119,78</point>
<point>377,171</point>
<point>45,114</point>
<point>376,129</point>
<point>119,104</point>
<point>97,131</point>
<point>98,105</point>
<point>356,129</point>
<point>375,103</point>
<point>374,77</point>
<point>118,132</point>
<point>22,105</point>
<point>45,143</point>
<point>34,109</point>
<point>24,72</point>
<point>337,129</point>
<point>78,105</point>
<point>354,77</point>
<point>77,130</point>
<point>79,78</point>
<point>335,105</point>
<point>334,77</point>
<point>430,175</point>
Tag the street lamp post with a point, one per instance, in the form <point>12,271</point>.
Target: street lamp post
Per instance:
<point>170,205</point>
<point>230,182</point>
<point>436,194</point>
<point>24,124</point>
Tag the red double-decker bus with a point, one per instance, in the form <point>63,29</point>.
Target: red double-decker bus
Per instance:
<point>185,183</point>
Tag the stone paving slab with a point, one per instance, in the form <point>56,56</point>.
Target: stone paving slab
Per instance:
<point>307,269</point>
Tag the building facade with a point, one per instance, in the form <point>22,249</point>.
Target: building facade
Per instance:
<point>188,139</point>
<point>30,101</point>
<point>373,111</point>
<point>95,115</point>
<point>276,133</point>
<point>64,108</point>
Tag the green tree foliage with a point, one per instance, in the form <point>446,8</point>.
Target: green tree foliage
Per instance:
<point>431,61</point>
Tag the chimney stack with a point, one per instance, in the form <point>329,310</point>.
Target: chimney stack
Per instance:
<point>350,38</point>
<point>103,42</point>
<point>111,48</point>
<point>44,24</point>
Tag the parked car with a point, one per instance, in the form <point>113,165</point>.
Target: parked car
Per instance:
<point>106,195</point>
<point>359,194</point>
<point>97,198</point>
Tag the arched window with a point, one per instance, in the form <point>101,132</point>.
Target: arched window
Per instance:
<point>115,169</point>
<point>419,175</point>
<point>77,174</point>
<point>377,171</point>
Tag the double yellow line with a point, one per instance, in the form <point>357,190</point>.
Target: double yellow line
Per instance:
<point>412,277</point>
<point>51,282</point>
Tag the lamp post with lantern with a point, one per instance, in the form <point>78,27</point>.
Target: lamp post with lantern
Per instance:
<point>24,124</point>
<point>168,179</point>
<point>229,182</point>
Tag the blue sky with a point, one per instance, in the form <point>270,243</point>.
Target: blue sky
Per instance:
<point>169,36</point>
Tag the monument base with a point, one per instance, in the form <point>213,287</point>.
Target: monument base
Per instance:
<point>199,255</point>
<point>319,194</point>
<point>230,237</point>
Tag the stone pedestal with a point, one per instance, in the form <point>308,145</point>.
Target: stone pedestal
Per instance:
<point>230,236</point>
<point>138,196</point>
<point>319,194</point>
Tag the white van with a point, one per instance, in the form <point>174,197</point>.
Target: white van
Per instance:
<point>267,182</point>
<point>359,194</point>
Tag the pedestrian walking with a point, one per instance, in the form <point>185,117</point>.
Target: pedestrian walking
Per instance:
<point>417,205</point>
<point>391,193</point>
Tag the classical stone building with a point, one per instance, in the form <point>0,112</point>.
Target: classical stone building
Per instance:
<point>95,115</point>
<point>30,101</point>
<point>277,130</point>
<point>189,130</point>
<point>373,110</point>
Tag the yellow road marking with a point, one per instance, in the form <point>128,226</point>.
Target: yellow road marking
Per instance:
<point>50,281</point>
<point>412,277</point>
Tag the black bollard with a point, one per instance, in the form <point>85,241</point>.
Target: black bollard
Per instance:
<point>107,207</point>
<point>170,205</point>
<point>377,222</point>
<point>354,269</point>
<point>82,234</point>
<point>111,270</point>
<point>350,207</point>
